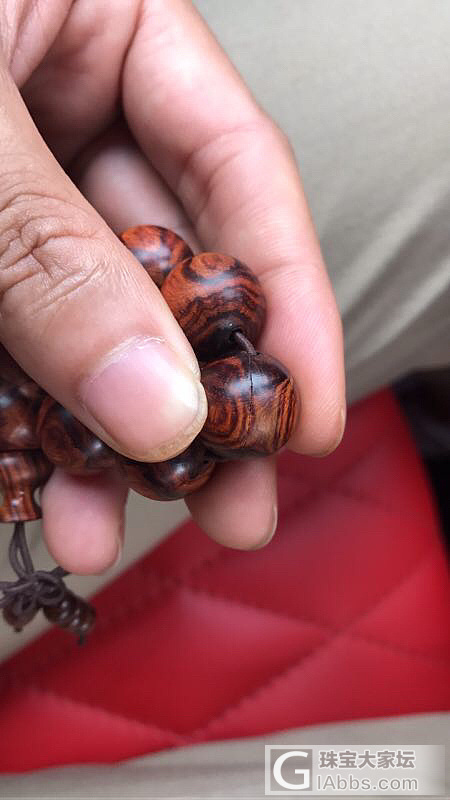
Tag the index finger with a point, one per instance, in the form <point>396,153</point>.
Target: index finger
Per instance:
<point>236,176</point>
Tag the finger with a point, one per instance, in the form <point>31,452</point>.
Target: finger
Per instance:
<point>236,177</point>
<point>238,505</point>
<point>72,92</point>
<point>79,314</point>
<point>126,190</point>
<point>83,521</point>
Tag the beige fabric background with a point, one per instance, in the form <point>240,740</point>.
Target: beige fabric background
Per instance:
<point>362,89</point>
<point>233,769</point>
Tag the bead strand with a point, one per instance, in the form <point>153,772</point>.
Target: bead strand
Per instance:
<point>253,408</point>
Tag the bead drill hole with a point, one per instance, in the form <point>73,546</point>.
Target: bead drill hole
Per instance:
<point>166,254</point>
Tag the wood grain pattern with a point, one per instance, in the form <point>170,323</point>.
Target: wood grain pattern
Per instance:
<point>157,249</point>
<point>68,444</point>
<point>172,479</point>
<point>211,297</point>
<point>20,474</point>
<point>252,405</point>
<point>19,407</point>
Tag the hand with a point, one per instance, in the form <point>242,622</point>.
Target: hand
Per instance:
<point>139,105</point>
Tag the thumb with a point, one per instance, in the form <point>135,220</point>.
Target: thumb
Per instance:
<point>77,311</point>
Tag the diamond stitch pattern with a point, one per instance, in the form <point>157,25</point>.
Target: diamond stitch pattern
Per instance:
<point>343,615</point>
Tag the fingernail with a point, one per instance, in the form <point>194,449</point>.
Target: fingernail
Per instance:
<point>343,422</point>
<point>149,404</point>
<point>120,535</point>
<point>271,532</point>
<point>118,558</point>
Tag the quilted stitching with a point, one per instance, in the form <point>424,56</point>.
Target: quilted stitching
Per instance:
<point>198,642</point>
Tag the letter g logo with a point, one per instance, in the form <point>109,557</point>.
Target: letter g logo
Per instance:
<point>305,774</point>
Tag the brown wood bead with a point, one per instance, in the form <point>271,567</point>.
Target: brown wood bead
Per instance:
<point>33,392</point>
<point>20,474</point>
<point>18,415</point>
<point>172,479</point>
<point>68,444</point>
<point>252,405</point>
<point>211,297</point>
<point>18,619</point>
<point>12,373</point>
<point>157,249</point>
<point>10,370</point>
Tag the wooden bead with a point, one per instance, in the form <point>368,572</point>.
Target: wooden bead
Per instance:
<point>10,370</point>
<point>157,249</point>
<point>252,405</point>
<point>172,479</point>
<point>68,444</point>
<point>18,615</point>
<point>20,474</point>
<point>211,297</point>
<point>33,392</point>
<point>18,415</point>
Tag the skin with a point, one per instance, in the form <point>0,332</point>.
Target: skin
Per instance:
<point>131,113</point>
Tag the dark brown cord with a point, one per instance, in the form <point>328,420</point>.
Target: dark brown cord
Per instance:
<point>243,342</point>
<point>34,589</point>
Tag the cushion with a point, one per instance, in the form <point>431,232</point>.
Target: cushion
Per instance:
<point>344,615</point>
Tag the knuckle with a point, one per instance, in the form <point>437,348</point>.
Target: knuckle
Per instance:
<point>44,249</point>
<point>214,161</point>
